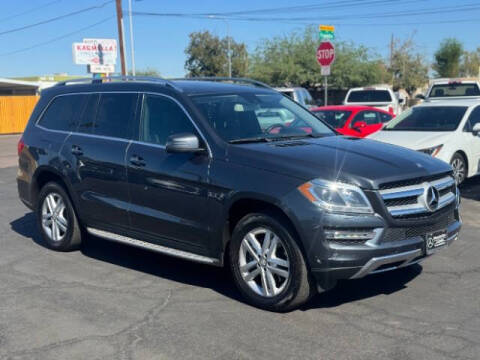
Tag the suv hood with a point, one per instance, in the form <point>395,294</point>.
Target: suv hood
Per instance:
<point>362,162</point>
<point>415,140</point>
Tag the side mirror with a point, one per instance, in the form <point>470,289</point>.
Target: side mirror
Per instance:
<point>401,101</point>
<point>420,96</point>
<point>183,143</point>
<point>476,129</point>
<point>359,125</point>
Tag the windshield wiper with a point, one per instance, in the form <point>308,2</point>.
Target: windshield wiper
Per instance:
<point>297,136</point>
<point>250,140</point>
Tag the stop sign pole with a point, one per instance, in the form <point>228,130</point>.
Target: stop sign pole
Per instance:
<point>325,57</point>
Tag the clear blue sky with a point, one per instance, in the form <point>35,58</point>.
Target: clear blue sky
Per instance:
<point>160,41</point>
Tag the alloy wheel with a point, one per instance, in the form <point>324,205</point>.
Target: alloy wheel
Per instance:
<point>264,263</point>
<point>54,219</point>
<point>458,166</point>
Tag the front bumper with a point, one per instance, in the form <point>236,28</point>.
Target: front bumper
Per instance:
<point>380,254</point>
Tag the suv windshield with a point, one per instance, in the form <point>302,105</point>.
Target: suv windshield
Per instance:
<point>369,96</point>
<point>335,118</point>
<point>428,118</point>
<point>454,89</point>
<point>258,117</point>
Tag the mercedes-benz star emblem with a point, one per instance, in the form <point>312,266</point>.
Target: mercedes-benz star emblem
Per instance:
<point>431,198</point>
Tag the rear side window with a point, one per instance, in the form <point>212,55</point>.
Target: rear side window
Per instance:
<point>369,117</point>
<point>115,115</point>
<point>363,96</point>
<point>161,118</point>
<point>63,113</point>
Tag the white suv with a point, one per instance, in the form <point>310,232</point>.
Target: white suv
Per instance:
<point>448,130</point>
<point>298,94</point>
<point>444,89</point>
<point>381,97</point>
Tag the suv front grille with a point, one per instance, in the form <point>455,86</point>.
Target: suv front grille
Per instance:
<point>398,234</point>
<point>410,199</point>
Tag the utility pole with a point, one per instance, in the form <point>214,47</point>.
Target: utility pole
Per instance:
<point>121,40</point>
<point>229,51</point>
<point>391,58</point>
<point>132,48</point>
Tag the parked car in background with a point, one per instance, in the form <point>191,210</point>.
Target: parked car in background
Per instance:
<point>444,89</point>
<point>448,130</point>
<point>381,97</point>
<point>358,121</point>
<point>299,94</point>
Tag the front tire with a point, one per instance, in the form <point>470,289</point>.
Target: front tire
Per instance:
<point>57,220</point>
<point>459,165</point>
<point>267,264</point>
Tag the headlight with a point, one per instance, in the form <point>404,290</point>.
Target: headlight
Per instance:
<point>336,197</point>
<point>432,151</point>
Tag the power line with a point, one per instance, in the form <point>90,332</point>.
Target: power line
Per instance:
<point>57,38</point>
<point>29,11</point>
<point>56,18</point>
<point>310,8</point>
<point>425,11</point>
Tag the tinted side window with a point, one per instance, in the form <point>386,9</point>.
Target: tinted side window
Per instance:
<point>116,115</point>
<point>87,116</point>
<point>369,117</point>
<point>62,113</point>
<point>162,117</point>
<point>473,119</point>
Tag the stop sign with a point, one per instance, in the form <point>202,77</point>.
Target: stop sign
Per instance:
<point>325,53</point>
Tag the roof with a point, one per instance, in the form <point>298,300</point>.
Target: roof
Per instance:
<point>372,87</point>
<point>450,80</point>
<point>197,87</point>
<point>188,87</point>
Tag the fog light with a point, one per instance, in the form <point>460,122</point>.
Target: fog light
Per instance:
<point>349,235</point>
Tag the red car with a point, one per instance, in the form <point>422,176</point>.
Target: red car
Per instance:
<point>358,121</point>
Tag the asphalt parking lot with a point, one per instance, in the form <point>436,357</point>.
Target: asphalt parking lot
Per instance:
<point>110,301</point>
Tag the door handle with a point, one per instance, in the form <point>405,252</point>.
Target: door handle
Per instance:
<point>137,161</point>
<point>77,150</point>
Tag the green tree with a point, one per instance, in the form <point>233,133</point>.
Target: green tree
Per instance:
<point>207,55</point>
<point>470,65</point>
<point>291,60</point>
<point>407,66</point>
<point>447,58</point>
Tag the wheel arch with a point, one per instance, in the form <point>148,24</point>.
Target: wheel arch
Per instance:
<point>467,162</point>
<point>45,174</point>
<point>247,204</point>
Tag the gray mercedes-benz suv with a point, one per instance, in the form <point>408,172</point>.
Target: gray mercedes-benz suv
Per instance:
<point>231,173</point>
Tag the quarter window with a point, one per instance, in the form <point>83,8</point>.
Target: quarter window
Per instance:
<point>161,118</point>
<point>62,113</point>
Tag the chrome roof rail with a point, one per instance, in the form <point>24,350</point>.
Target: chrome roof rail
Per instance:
<point>228,79</point>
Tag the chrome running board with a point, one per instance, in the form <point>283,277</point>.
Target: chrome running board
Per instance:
<point>154,247</point>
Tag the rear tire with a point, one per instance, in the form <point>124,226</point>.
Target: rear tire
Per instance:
<point>267,264</point>
<point>56,219</point>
